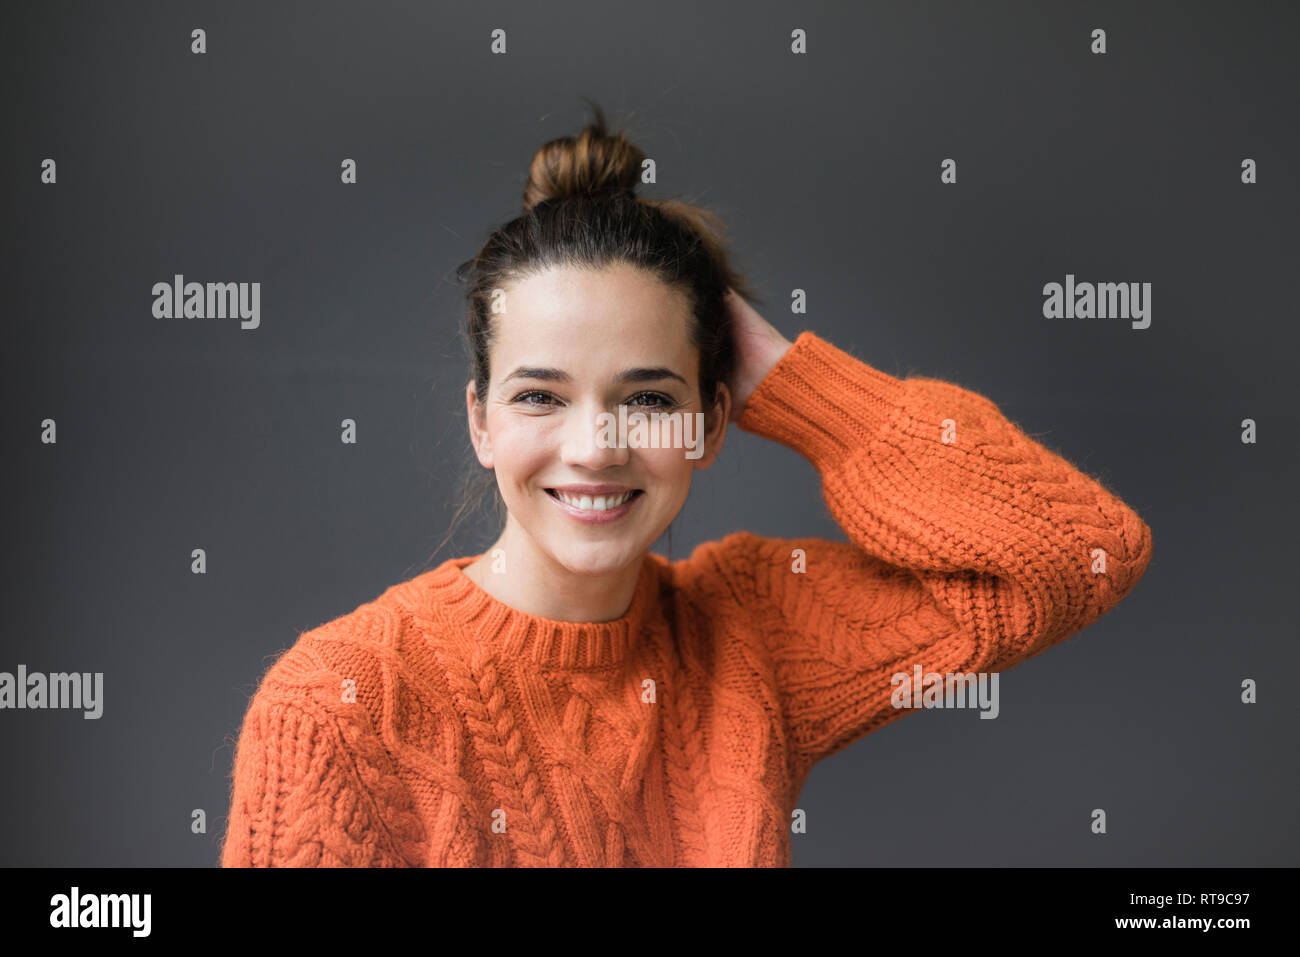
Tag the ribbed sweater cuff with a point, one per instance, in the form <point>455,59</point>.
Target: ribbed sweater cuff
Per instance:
<point>822,402</point>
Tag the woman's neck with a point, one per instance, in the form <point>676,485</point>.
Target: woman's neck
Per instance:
<point>518,574</point>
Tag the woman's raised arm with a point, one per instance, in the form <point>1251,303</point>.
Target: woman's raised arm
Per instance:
<point>972,547</point>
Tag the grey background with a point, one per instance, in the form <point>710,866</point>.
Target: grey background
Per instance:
<point>225,167</point>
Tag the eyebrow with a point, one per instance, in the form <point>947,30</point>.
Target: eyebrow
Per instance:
<point>636,374</point>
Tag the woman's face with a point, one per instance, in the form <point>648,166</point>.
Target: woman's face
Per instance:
<point>573,344</point>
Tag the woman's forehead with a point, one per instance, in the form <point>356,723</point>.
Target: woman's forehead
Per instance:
<point>594,322</point>
<point>561,292</point>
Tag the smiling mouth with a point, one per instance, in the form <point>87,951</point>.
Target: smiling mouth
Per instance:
<point>573,499</point>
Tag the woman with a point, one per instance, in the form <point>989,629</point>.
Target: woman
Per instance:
<point>569,698</point>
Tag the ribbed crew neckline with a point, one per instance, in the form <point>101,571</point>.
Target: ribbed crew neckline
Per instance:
<point>455,597</point>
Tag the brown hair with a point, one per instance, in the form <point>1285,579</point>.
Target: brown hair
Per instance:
<point>580,209</point>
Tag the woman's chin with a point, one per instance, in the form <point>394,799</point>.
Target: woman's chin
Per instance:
<point>595,561</point>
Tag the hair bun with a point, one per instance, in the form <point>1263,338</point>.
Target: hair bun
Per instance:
<point>593,162</point>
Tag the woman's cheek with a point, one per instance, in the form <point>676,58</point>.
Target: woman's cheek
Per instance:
<point>668,469</point>
<point>522,448</point>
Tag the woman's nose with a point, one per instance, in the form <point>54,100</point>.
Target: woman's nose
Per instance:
<point>591,438</point>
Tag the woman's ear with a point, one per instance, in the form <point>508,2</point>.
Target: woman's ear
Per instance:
<point>478,432</point>
<point>715,427</point>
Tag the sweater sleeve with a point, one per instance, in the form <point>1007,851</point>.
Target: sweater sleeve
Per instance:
<point>972,547</point>
<point>297,798</point>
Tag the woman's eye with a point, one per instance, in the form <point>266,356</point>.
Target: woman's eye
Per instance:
<point>524,395</point>
<point>655,397</point>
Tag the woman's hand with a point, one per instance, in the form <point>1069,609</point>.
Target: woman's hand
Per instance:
<point>758,348</point>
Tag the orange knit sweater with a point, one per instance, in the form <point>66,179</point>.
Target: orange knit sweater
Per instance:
<point>682,733</point>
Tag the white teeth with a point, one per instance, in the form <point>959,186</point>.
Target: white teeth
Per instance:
<point>599,503</point>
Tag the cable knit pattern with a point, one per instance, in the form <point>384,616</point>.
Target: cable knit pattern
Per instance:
<point>436,726</point>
